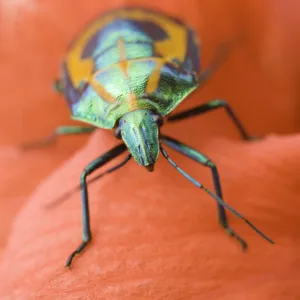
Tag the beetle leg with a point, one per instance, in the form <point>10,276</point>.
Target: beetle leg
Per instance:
<point>89,169</point>
<point>61,130</point>
<point>205,161</point>
<point>76,188</point>
<point>57,86</point>
<point>220,57</point>
<point>210,106</point>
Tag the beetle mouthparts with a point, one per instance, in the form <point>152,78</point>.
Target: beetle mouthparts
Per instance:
<point>150,168</point>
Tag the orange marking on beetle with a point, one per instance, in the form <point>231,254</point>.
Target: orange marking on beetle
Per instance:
<point>122,50</point>
<point>123,64</point>
<point>154,77</point>
<point>101,91</point>
<point>174,47</point>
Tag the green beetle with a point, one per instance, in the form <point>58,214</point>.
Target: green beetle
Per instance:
<point>128,71</point>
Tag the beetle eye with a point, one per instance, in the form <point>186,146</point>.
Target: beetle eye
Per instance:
<point>159,120</point>
<point>118,133</point>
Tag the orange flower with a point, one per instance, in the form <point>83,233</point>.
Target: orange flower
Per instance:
<point>154,235</point>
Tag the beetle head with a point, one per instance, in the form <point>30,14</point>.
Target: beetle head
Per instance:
<point>139,130</point>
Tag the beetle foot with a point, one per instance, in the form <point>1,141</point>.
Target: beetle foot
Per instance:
<point>254,138</point>
<point>230,232</point>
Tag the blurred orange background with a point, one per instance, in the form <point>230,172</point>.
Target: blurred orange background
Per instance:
<point>261,82</point>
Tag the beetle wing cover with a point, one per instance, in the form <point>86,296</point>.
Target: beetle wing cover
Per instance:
<point>129,59</point>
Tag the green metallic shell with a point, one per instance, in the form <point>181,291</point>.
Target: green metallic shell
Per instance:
<point>127,60</point>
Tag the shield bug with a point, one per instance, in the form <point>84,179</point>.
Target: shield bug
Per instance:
<point>127,72</point>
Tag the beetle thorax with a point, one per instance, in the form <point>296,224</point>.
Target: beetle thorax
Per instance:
<point>139,131</point>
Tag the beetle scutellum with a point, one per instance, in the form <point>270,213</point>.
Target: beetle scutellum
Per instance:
<point>128,71</point>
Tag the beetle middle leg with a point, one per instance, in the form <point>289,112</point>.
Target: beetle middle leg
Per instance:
<point>89,169</point>
<point>61,130</point>
<point>205,161</point>
<point>210,106</point>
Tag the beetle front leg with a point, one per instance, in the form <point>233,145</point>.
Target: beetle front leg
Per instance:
<point>205,161</point>
<point>89,169</point>
<point>61,130</point>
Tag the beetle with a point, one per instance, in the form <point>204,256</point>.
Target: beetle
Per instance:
<point>127,71</point>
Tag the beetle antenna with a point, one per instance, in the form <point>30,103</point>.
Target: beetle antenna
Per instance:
<point>215,197</point>
<point>67,194</point>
